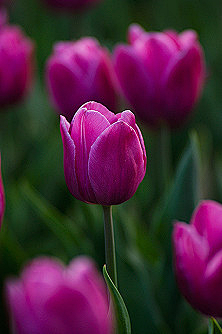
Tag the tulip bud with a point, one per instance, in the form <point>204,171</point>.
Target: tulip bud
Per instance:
<point>2,197</point>
<point>104,155</point>
<point>161,74</point>
<point>198,258</point>
<point>16,63</point>
<point>49,298</point>
<point>78,72</point>
<point>71,4</point>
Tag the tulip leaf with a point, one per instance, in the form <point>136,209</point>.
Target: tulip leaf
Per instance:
<point>122,315</point>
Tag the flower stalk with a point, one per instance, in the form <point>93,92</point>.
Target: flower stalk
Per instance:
<point>110,244</point>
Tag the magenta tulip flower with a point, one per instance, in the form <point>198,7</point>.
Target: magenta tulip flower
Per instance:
<point>16,63</point>
<point>71,4</point>
<point>78,72</point>
<point>198,258</point>
<point>161,74</point>
<point>2,197</point>
<point>104,155</point>
<point>51,299</point>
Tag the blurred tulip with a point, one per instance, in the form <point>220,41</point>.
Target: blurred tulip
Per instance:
<point>104,155</point>
<point>71,4</point>
<point>2,197</point>
<point>52,299</point>
<point>161,74</point>
<point>198,258</point>
<point>78,72</point>
<point>16,63</point>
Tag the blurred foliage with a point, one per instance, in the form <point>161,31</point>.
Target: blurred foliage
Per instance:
<point>42,218</point>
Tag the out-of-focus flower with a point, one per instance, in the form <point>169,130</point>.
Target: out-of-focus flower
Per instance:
<point>51,299</point>
<point>198,258</point>
<point>16,63</point>
<point>71,4</point>
<point>161,74</point>
<point>78,72</point>
<point>2,197</point>
<point>104,155</point>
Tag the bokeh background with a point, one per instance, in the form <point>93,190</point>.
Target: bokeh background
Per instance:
<point>42,218</point>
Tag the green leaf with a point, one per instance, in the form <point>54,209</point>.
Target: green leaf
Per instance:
<point>122,315</point>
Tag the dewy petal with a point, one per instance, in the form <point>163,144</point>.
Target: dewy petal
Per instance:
<point>2,197</point>
<point>182,84</point>
<point>207,219</point>
<point>69,159</point>
<point>116,164</point>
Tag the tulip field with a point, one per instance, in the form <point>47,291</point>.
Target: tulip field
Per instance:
<point>110,167</point>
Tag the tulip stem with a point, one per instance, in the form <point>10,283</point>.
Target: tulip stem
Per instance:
<point>110,244</point>
<point>212,324</point>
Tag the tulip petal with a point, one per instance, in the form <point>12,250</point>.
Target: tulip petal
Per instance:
<point>116,164</point>
<point>187,38</point>
<point>69,159</point>
<point>207,219</point>
<point>70,96</point>
<point>136,84</point>
<point>135,31</point>
<point>182,84</point>
<point>190,254</point>
<point>92,105</point>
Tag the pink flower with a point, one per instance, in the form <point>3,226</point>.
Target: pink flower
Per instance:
<point>2,197</point>
<point>161,74</point>
<point>78,72</point>
<point>16,63</point>
<point>198,258</point>
<point>104,155</point>
<point>51,299</point>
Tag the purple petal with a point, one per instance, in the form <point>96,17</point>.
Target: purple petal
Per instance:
<point>135,32</point>
<point>69,159</point>
<point>92,105</point>
<point>207,219</point>
<point>116,165</point>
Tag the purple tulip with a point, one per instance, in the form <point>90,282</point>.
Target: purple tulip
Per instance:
<point>198,258</point>
<point>104,155</point>
<point>71,4</point>
<point>78,72</point>
<point>161,74</point>
<point>2,197</point>
<point>52,299</point>
<point>16,63</point>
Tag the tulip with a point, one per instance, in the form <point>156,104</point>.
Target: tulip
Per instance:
<point>71,4</point>
<point>104,155</point>
<point>51,299</point>
<point>16,63</point>
<point>2,197</point>
<point>161,74</point>
<point>198,258</point>
<point>78,72</point>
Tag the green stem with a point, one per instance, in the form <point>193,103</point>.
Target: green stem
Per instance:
<point>213,324</point>
<point>110,244</point>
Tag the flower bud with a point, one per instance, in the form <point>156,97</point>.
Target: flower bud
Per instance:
<point>198,258</point>
<point>104,155</point>
<point>78,72</point>
<point>161,74</point>
<point>2,197</point>
<point>16,63</point>
<point>49,298</point>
